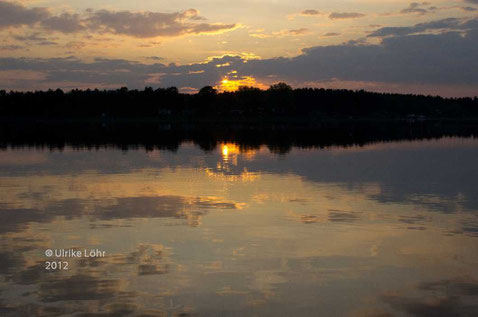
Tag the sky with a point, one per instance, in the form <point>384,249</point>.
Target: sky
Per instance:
<point>387,46</point>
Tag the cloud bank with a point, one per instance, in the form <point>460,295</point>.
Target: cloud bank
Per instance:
<point>403,57</point>
<point>135,24</point>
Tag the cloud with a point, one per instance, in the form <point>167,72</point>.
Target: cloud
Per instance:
<point>444,24</point>
<point>31,37</point>
<point>468,9</point>
<point>71,72</point>
<point>151,24</point>
<point>155,58</point>
<point>301,31</point>
<point>75,45</point>
<point>36,39</point>
<point>210,28</point>
<point>310,12</point>
<point>416,7</point>
<point>13,14</point>
<point>282,33</point>
<point>402,58</point>
<point>435,59</point>
<point>11,47</point>
<point>65,23</point>
<point>136,24</point>
<point>345,15</point>
<point>47,43</point>
<point>472,1</point>
<point>331,34</point>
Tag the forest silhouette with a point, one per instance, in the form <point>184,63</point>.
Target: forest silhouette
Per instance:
<point>280,101</point>
<point>279,117</point>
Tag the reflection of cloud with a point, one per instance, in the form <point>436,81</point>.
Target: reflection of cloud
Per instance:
<point>320,217</point>
<point>147,258</point>
<point>163,206</point>
<point>452,297</point>
<point>189,208</point>
<point>343,216</point>
<point>19,158</point>
<point>470,228</point>
<point>77,287</point>
<point>12,220</point>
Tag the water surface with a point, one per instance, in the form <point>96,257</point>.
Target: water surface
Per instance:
<point>378,230</point>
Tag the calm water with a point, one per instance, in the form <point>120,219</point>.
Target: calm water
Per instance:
<point>385,229</point>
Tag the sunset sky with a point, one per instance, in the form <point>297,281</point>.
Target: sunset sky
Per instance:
<point>389,45</point>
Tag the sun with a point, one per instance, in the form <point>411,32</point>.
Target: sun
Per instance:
<point>227,84</point>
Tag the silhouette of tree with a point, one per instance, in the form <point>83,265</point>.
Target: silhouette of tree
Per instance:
<point>207,91</point>
<point>280,101</point>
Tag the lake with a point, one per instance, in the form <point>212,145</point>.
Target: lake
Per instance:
<point>381,229</point>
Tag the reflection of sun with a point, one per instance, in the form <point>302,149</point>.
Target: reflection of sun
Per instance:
<point>225,150</point>
<point>230,151</point>
<point>230,148</point>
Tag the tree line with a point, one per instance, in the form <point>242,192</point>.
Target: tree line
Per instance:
<point>280,100</point>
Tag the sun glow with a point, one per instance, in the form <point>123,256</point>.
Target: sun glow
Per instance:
<point>231,151</point>
<point>227,84</point>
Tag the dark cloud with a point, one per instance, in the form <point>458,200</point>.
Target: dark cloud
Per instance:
<point>13,14</point>
<point>472,1</point>
<point>331,34</point>
<point>100,71</point>
<point>451,297</point>
<point>469,9</point>
<point>35,38</point>
<point>163,206</point>
<point>343,216</point>
<point>76,45</point>
<point>78,287</point>
<point>151,24</point>
<point>310,12</point>
<point>155,58</point>
<point>47,43</point>
<point>345,15</point>
<point>136,24</point>
<point>190,208</point>
<point>209,28</point>
<point>301,31</point>
<point>416,7</point>
<point>444,24</point>
<point>447,58</point>
<point>65,23</point>
<point>12,220</point>
<point>31,37</point>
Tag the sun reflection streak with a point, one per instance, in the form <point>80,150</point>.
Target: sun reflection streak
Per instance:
<point>230,154</point>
